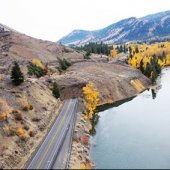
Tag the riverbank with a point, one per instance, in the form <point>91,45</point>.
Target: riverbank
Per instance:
<point>80,157</point>
<point>80,154</point>
<point>136,133</point>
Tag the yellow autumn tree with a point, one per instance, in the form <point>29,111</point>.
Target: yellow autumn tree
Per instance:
<point>38,63</point>
<point>146,52</point>
<point>113,53</point>
<point>91,96</point>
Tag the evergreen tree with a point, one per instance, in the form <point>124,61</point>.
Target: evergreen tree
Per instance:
<point>141,66</point>
<point>16,75</point>
<point>64,64</point>
<point>55,90</point>
<point>34,70</point>
<point>124,48</point>
<point>95,48</point>
<point>154,75</point>
<point>136,49</point>
<point>67,62</point>
<point>130,50</point>
<point>148,70</point>
<point>121,49</point>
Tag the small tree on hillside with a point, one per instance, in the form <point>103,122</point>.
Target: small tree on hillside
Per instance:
<point>55,90</point>
<point>16,74</point>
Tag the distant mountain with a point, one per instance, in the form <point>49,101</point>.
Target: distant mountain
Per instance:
<point>128,30</point>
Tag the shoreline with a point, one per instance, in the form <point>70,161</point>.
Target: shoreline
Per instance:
<point>80,157</point>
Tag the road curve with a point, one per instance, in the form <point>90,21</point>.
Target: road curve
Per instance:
<point>46,155</point>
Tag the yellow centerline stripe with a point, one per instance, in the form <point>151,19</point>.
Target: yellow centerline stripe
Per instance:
<point>52,141</point>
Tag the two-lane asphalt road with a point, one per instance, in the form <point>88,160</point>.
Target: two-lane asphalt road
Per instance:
<point>46,155</point>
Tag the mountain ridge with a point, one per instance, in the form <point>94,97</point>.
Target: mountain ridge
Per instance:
<point>126,30</point>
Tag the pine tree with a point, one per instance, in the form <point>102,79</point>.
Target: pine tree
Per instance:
<point>16,74</point>
<point>55,90</point>
<point>141,66</point>
<point>130,50</point>
<point>148,70</point>
<point>154,75</point>
<point>136,49</point>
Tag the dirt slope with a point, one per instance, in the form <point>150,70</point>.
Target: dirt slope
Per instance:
<point>114,81</point>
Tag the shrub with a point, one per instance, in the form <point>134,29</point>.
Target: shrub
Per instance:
<point>26,127</point>
<point>21,133</point>
<point>35,70</point>
<point>32,133</point>
<point>9,131</point>
<point>16,75</point>
<point>18,116</point>
<point>68,64</point>
<point>3,116</point>
<point>25,105</point>
<point>64,64</point>
<point>55,90</point>
<point>87,56</point>
<point>36,119</point>
<point>37,63</point>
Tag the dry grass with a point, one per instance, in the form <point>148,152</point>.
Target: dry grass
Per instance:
<point>21,133</point>
<point>25,105</point>
<point>3,116</point>
<point>5,109</point>
<point>18,115</point>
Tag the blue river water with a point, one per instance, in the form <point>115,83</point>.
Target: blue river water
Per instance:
<point>135,134</point>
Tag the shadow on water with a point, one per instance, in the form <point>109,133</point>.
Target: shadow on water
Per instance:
<point>95,118</point>
<point>153,93</point>
<point>116,104</point>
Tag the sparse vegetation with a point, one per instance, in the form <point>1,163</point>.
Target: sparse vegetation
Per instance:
<point>55,90</point>
<point>37,68</point>
<point>31,133</point>
<point>18,116</point>
<point>17,76</point>
<point>87,55</point>
<point>63,64</point>
<point>3,116</point>
<point>34,70</point>
<point>20,132</point>
<point>25,105</point>
<point>4,110</point>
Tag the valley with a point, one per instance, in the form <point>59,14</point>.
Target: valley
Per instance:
<point>51,94</point>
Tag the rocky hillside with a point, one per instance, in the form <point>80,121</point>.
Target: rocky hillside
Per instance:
<point>27,111</point>
<point>127,30</point>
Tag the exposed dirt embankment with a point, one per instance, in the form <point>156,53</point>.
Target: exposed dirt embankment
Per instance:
<point>114,81</point>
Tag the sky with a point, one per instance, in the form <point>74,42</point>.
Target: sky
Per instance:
<point>53,19</point>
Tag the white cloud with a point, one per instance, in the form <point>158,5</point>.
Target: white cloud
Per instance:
<point>52,19</point>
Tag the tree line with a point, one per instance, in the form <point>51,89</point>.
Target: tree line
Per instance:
<point>97,48</point>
